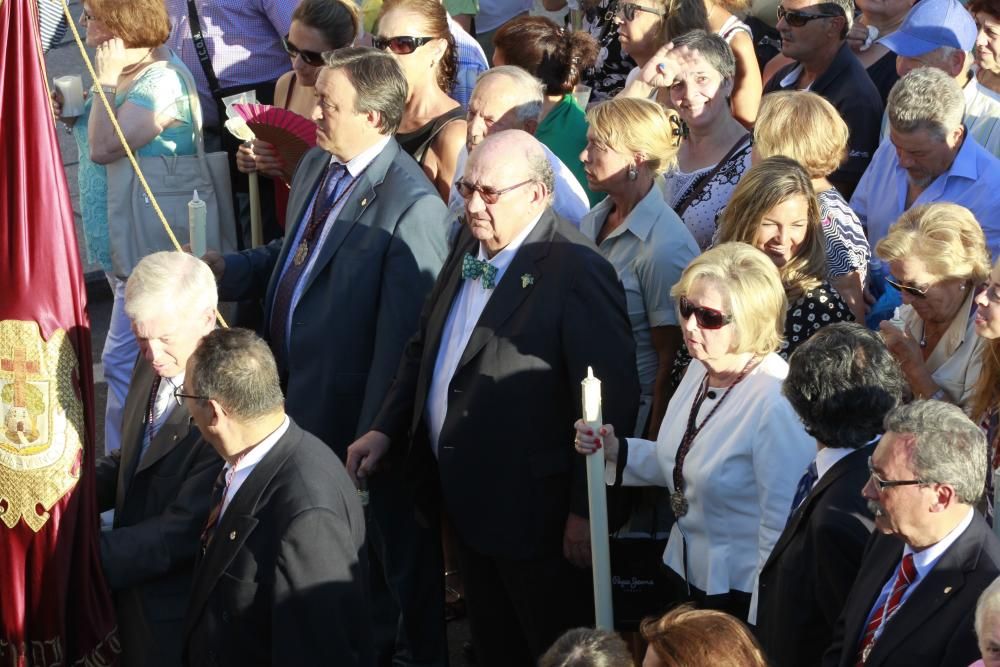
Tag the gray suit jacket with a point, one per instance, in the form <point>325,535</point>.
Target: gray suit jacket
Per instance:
<point>161,502</point>
<point>361,302</point>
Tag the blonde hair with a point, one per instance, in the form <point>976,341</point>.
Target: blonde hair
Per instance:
<point>803,126</point>
<point>947,238</point>
<point>751,287</point>
<point>689,637</point>
<point>764,186</point>
<point>634,125</point>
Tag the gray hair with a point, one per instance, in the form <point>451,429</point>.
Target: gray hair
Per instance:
<point>950,448</point>
<point>842,382</point>
<point>989,603</point>
<point>713,48</point>
<point>926,99</point>
<point>531,90</point>
<point>236,368</point>
<point>379,83</point>
<point>587,647</point>
<point>171,282</point>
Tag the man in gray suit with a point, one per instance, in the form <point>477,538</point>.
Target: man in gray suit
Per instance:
<point>365,238</point>
<point>159,483</point>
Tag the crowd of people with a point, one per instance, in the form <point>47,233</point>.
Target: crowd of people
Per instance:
<point>781,270</point>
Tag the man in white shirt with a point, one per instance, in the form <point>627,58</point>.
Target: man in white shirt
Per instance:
<point>281,579</point>
<point>914,600</point>
<point>160,479</point>
<point>508,98</point>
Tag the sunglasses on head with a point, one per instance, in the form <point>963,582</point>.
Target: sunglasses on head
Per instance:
<point>627,10</point>
<point>707,318</point>
<point>401,45</point>
<point>912,291</point>
<point>311,58</point>
<point>798,19</point>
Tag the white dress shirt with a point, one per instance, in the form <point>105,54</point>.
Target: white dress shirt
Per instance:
<point>468,306</point>
<point>828,457</point>
<point>163,405</point>
<point>246,464</point>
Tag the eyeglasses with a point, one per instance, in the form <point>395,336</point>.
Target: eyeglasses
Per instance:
<point>179,396</point>
<point>884,484</point>
<point>912,291</point>
<point>87,16</point>
<point>627,11</point>
<point>799,19</point>
<point>401,45</point>
<point>707,318</point>
<point>489,195</point>
<point>312,58</point>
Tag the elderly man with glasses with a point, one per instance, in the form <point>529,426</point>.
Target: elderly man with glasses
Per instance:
<point>159,483</point>
<point>914,600</point>
<point>815,37</point>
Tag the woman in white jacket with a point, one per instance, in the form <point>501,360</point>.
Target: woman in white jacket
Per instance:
<point>730,449</point>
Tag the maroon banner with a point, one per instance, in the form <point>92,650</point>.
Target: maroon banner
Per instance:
<point>55,608</point>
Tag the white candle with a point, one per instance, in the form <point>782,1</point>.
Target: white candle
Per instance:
<point>197,225</point>
<point>598,505</point>
<point>71,89</point>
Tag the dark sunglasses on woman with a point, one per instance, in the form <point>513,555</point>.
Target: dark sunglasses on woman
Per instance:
<point>401,45</point>
<point>798,19</point>
<point>707,318</point>
<point>627,10</point>
<point>311,58</point>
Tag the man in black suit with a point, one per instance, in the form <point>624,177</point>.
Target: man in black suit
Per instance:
<point>159,482</point>
<point>486,395</point>
<point>367,236</point>
<point>281,578</point>
<point>841,382</point>
<point>914,599</point>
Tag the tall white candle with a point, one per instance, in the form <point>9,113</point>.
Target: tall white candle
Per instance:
<point>598,504</point>
<point>71,88</point>
<point>197,225</point>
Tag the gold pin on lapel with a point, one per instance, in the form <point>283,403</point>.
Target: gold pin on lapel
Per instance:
<point>947,590</point>
<point>364,201</point>
<point>232,536</point>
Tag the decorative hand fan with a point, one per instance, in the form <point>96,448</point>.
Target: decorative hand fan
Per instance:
<point>290,134</point>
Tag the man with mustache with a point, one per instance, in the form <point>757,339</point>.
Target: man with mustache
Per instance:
<point>914,600</point>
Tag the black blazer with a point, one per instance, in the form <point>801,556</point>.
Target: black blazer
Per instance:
<point>806,579</point>
<point>935,624</point>
<point>161,503</point>
<point>283,580</point>
<point>506,464</point>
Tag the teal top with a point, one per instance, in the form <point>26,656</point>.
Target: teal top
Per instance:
<point>564,131</point>
<point>162,91</point>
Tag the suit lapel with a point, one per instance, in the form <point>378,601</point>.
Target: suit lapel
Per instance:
<point>134,425</point>
<point>170,433</point>
<point>875,571</point>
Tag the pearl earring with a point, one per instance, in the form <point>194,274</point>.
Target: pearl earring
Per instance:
<point>633,173</point>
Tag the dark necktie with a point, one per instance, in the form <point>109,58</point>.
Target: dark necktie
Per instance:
<point>906,575</point>
<point>218,497</point>
<point>151,410</point>
<point>326,198</point>
<point>805,485</point>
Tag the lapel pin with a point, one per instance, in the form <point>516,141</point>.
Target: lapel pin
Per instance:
<point>947,590</point>
<point>527,279</point>
<point>364,201</point>
<point>232,536</point>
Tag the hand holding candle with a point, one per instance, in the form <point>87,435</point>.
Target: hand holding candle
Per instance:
<point>598,506</point>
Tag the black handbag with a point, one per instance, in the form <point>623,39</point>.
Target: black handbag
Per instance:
<point>639,584</point>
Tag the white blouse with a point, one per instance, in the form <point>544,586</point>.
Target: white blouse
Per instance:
<point>741,473</point>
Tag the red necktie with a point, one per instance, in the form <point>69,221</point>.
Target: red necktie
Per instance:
<point>906,575</point>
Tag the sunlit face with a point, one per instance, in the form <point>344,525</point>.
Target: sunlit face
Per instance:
<point>987,51</point>
<point>342,131</point>
<point>943,295</point>
<point>641,37</point>
<point>496,225</point>
<point>989,639</point>
<point>987,321</point>
<point>492,109</point>
<point>709,345</point>
<point>699,93</point>
<point>416,66</point>
<point>899,510</point>
<point>606,168</point>
<point>783,230</point>
<point>924,155</point>
<point>166,341</point>
<point>307,38</point>
<point>97,32</point>
<point>802,42</point>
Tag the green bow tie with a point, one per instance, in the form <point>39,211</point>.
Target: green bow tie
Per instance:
<point>473,268</point>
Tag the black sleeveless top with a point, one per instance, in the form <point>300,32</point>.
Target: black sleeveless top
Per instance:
<point>419,140</point>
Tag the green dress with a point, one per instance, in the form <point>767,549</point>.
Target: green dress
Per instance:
<point>564,131</point>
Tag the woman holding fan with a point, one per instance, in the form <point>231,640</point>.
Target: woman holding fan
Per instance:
<point>317,26</point>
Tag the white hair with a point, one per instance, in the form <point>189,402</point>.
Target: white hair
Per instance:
<point>988,605</point>
<point>926,99</point>
<point>169,282</point>
<point>530,90</point>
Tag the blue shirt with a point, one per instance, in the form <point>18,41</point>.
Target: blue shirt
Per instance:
<point>972,181</point>
<point>471,63</point>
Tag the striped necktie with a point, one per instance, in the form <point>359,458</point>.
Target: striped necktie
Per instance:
<point>906,575</point>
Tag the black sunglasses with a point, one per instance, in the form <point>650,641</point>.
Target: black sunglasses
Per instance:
<point>912,291</point>
<point>401,45</point>
<point>884,484</point>
<point>707,318</point>
<point>627,11</point>
<point>489,195</point>
<point>799,19</point>
<point>311,58</point>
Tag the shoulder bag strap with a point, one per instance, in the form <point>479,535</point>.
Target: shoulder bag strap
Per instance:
<point>706,178</point>
<point>202,48</point>
<point>439,125</point>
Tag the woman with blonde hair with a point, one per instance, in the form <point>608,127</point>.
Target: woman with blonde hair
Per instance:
<point>937,258</point>
<point>433,127</point>
<point>689,637</point>
<point>629,144</point>
<point>805,127</point>
<point>774,209</point>
<point>731,448</point>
